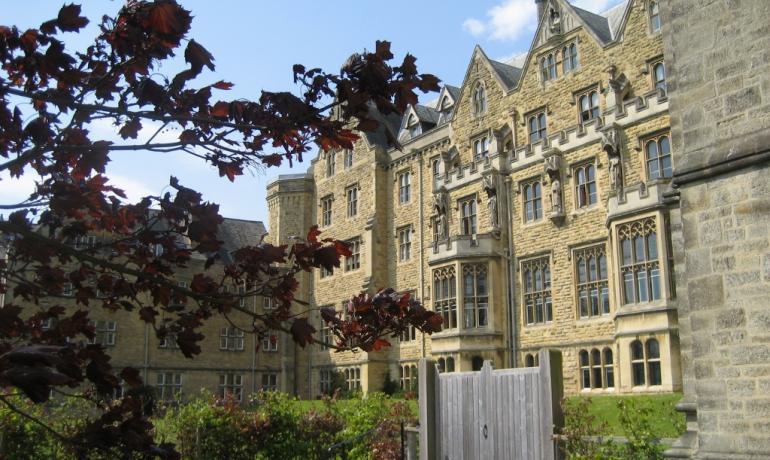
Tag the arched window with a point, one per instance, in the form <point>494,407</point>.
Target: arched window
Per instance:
<point>477,362</point>
<point>609,370</point>
<point>569,58</point>
<point>654,12</point>
<point>479,100</point>
<point>533,202</point>
<point>529,360</point>
<point>441,365</point>
<point>450,364</point>
<point>585,185</point>
<point>537,127</point>
<point>659,77</point>
<point>589,106</point>
<point>658,152</point>
<point>596,368</point>
<point>585,370</point>
<point>653,362</point>
<point>637,363</point>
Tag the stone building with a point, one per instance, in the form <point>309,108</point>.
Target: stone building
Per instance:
<point>720,126</point>
<point>531,206</point>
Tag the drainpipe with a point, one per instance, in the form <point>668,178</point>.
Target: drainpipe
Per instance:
<point>422,243</point>
<point>512,317</point>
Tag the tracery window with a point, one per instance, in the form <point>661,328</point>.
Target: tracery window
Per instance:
<point>639,264</point>
<point>445,296</point>
<point>658,153</point>
<point>536,280</point>
<point>592,288</point>
<point>569,56</point>
<point>475,295</point>
<point>468,216</point>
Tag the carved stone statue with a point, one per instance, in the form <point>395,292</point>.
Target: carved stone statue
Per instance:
<point>552,168</point>
<point>556,201</point>
<point>554,19</point>
<point>612,147</point>
<point>440,207</point>
<point>491,189</point>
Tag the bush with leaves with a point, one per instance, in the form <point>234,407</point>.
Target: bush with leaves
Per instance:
<point>643,443</point>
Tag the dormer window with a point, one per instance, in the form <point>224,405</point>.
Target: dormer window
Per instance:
<point>445,110</point>
<point>654,11</point>
<point>413,125</point>
<point>479,100</point>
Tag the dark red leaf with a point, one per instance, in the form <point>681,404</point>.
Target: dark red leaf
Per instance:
<point>302,332</point>
<point>69,19</point>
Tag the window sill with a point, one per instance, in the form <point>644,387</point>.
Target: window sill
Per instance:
<point>595,319</point>
<point>539,325</point>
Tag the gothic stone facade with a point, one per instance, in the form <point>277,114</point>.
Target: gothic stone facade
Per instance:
<point>532,207</point>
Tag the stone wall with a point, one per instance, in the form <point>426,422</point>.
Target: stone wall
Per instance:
<point>720,114</point>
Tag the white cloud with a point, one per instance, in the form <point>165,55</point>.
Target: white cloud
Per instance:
<point>135,189</point>
<point>506,21</point>
<point>474,26</point>
<point>595,6</point>
<point>511,19</point>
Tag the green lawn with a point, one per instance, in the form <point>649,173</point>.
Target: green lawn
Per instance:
<point>666,422</point>
<point>305,405</point>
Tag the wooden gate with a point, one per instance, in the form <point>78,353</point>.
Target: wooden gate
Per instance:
<point>491,414</point>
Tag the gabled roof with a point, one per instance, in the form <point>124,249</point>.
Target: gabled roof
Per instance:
<point>595,22</point>
<point>237,233</point>
<point>454,92</point>
<point>507,76</point>
<point>508,73</point>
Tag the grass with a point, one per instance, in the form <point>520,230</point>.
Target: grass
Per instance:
<point>666,421</point>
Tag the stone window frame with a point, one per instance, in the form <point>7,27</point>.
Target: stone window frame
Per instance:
<point>445,296</point>
<point>583,189</point>
<point>168,385</point>
<point>569,54</point>
<point>404,235</point>
<point>326,379</point>
<point>469,222</point>
<point>475,302</point>
<point>353,262</point>
<point>547,65</point>
<point>645,363</point>
<point>410,335</point>
<point>105,333</point>
<point>445,364</point>
<point>479,99</point>
<point>656,83</point>
<point>537,125</point>
<point>327,207</point>
<point>404,181</point>
<point>660,160</point>
<point>324,330</point>
<point>480,147</point>
<point>352,377</point>
<point>596,368</point>
<point>652,8</point>
<point>652,264</point>
<point>230,386</point>
<point>583,254</point>
<point>351,200</point>
<point>270,342</point>
<point>325,273</point>
<point>592,112</point>
<point>537,201</point>
<point>231,338</point>
<point>347,158</point>
<point>531,292</point>
<point>269,381</point>
<point>408,376</point>
<point>331,163</point>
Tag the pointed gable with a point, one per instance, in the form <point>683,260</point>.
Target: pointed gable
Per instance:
<point>561,17</point>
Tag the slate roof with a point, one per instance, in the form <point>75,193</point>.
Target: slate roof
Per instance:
<point>426,114</point>
<point>237,233</point>
<point>507,73</point>
<point>453,91</point>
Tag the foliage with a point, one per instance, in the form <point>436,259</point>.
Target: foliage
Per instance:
<point>50,97</point>
<point>585,437</point>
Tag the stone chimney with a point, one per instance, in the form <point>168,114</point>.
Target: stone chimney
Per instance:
<point>540,9</point>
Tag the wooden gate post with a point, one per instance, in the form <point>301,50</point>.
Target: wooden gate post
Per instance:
<point>552,391</point>
<point>428,388</point>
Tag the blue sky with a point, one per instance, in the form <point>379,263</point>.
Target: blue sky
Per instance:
<point>255,43</point>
